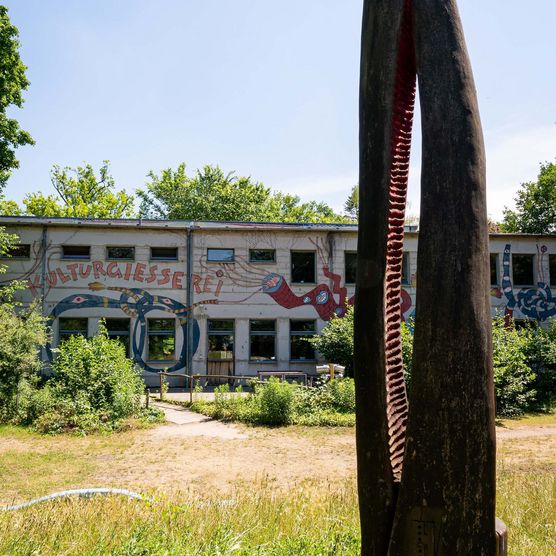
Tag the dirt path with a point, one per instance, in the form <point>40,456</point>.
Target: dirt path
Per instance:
<point>184,423</point>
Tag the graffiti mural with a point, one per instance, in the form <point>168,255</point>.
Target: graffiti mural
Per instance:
<point>137,303</point>
<point>534,303</point>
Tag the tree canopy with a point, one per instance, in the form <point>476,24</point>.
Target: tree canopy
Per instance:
<point>351,206</point>
<point>12,83</point>
<point>211,194</point>
<point>81,194</point>
<point>535,205</point>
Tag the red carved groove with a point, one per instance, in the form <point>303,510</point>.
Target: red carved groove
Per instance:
<point>402,121</point>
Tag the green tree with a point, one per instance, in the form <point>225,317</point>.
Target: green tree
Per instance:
<point>535,205</point>
<point>351,206</point>
<point>81,194</point>
<point>12,83</point>
<point>213,195</point>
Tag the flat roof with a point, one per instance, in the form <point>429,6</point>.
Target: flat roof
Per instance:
<point>207,225</point>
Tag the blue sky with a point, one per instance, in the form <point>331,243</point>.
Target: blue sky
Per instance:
<point>268,89</point>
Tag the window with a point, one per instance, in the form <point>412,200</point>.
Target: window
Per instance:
<point>552,269</point>
<point>350,261</point>
<point>262,340</point>
<point>82,252</point>
<point>522,267</point>
<point>162,339</point>
<point>220,255</point>
<point>120,253</point>
<point>405,269</point>
<point>303,267</point>
<point>164,253</point>
<point>118,329</point>
<point>262,255</point>
<point>72,327</point>
<point>220,340</point>
<point>300,348</point>
<point>493,269</point>
<point>21,251</point>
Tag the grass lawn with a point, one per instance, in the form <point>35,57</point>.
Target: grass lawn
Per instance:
<point>284,491</point>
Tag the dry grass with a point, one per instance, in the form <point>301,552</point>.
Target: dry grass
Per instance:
<point>293,491</point>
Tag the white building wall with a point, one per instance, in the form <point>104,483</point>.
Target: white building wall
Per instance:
<point>240,291</point>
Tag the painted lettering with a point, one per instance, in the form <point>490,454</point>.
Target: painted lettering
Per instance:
<point>52,279</point>
<point>206,285</point>
<point>176,279</point>
<point>128,269</point>
<point>63,277</point>
<point>218,287</point>
<point>196,281</point>
<point>34,284</point>
<point>152,274</point>
<point>138,274</point>
<point>165,277</point>
<point>72,268</point>
<point>84,270</point>
<point>98,269</point>
<point>113,270</point>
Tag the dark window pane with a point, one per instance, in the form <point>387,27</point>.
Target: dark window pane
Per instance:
<point>220,325</point>
<point>221,347</point>
<point>220,255</point>
<point>522,266</point>
<point>76,252</point>
<point>351,267</point>
<point>263,325</point>
<point>405,268</point>
<point>301,349</point>
<point>117,325</point>
<point>161,348</point>
<point>303,326</point>
<point>164,253</point>
<point>161,325</point>
<point>262,347</point>
<point>552,269</point>
<point>72,327</point>
<point>126,253</point>
<point>22,251</point>
<point>262,255</point>
<point>493,269</point>
<point>303,267</point>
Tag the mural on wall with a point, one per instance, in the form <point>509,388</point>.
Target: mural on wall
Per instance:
<point>137,303</point>
<point>327,300</point>
<point>534,303</point>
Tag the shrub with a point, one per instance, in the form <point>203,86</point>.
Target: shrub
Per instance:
<point>21,336</point>
<point>275,401</point>
<point>513,378</point>
<point>94,387</point>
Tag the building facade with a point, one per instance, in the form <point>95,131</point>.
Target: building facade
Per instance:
<point>230,298</point>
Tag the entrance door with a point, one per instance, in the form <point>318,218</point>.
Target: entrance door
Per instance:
<point>220,357</point>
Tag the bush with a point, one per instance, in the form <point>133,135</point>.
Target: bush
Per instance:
<point>513,378</point>
<point>275,401</point>
<point>94,387</point>
<point>21,336</point>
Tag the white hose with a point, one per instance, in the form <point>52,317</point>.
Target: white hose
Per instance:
<point>83,492</point>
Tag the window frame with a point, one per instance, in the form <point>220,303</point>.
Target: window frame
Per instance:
<point>256,261</point>
<point>233,251</point>
<point>274,334</point>
<point>231,333</point>
<point>552,270</point>
<point>70,257</point>
<point>496,269</point>
<point>303,334</point>
<point>350,253</point>
<point>160,333</point>
<point>121,332</point>
<point>67,333</point>
<point>516,284</point>
<point>10,256</point>
<point>304,251</point>
<point>163,258</point>
<point>111,258</point>
<point>406,269</point>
